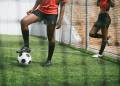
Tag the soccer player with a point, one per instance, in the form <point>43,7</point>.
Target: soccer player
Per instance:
<point>46,10</point>
<point>102,24</point>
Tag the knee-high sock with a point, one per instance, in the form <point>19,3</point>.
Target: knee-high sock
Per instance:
<point>102,46</point>
<point>25,34</point>
<point>51,50</point>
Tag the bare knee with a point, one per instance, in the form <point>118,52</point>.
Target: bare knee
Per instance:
<point>24,24</point>
<point>92,35</point>
<point>52,41</point>
<point>50,34</point>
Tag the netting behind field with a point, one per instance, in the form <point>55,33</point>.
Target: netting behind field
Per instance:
<point>83,14</point>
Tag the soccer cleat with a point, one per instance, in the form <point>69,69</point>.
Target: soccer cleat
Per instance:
<point>109,43</point>
<point>24,49</point>
<point>97,56</point>
<point>47,63</point>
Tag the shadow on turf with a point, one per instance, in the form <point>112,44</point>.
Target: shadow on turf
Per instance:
<point>65,67</point>
<point>103,71</point>
<point>14,63</point>
<point>2,66</point>
<point>84,70</point>
<point>45,78</point>
<point>102,62</point>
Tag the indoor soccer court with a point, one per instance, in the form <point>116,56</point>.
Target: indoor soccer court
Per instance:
<point>71,66</point>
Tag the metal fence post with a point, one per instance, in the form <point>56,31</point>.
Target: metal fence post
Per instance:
<point>86,20</point>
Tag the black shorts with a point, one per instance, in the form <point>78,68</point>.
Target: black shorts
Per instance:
<point>48,18</point>
<point>103,21</point>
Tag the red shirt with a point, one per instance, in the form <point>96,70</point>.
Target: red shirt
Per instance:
<point>49,6</point>
<point>104,4</point>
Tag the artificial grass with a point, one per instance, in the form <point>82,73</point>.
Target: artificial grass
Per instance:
<point>70,67</point>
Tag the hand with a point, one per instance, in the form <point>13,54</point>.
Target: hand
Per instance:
<point>58,25</point>
<point>29,12</point>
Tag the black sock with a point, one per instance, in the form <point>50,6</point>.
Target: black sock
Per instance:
<point>50,51</point>
<point>102,47</point>
<point>25,34</point>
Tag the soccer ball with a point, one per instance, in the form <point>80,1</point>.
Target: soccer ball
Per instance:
<point>24,58</point>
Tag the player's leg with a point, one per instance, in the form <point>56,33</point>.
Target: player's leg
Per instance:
<point>96,27</point>
<point>51,42</point>
<point>106,20</point>
<point>51,24</point>
<point>25,22</point>
<point>104,39</point>
<point>104,42</point>
<point>94,32</point>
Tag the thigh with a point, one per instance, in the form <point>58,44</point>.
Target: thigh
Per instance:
<point>94,29</point>
<point>31,18</point>
<point>105,20</point>
<point>51,18</point>
<point>104,32</point>
<point>51,24</point>
<point>50,31</point>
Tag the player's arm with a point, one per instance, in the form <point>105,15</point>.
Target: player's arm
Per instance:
<point>97,2</point>
<point>112,3</point>
<point>60,18</point>
<point>35,6</point>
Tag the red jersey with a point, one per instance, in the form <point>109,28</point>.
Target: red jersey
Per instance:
<point>104,4</point>
<point>49,6</point>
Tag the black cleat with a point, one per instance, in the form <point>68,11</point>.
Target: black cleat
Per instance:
<point>24,49</point>
<point>47,63</point>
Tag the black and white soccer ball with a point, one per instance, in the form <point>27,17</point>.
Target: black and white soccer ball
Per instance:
<point>24,58</point>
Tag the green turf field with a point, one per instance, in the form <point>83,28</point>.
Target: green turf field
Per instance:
<point>70,67</point>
